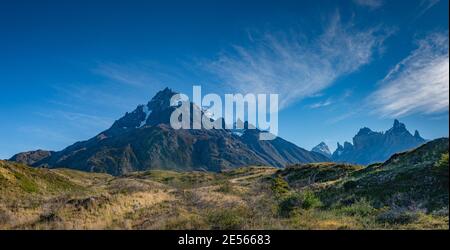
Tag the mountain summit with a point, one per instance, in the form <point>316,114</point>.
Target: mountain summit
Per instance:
<point>156,111</point>
<point>370,146</point>
<point>322,148</point>
<point>143,139</point>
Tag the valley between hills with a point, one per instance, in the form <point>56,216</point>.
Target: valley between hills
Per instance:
<point>408,191</point>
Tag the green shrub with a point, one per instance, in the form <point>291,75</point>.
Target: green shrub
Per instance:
<point>441,167</point>
<point>349,185</point>
<point>310,200</point>
<point>228,219</point>
<point>279,186</point>
<point>398,216</point>
<point>26,183</point>
<point>305,200</point>
<point>289,203</point>
<point>226,188</point>
<point>360,208</point>
<point>443,162</point>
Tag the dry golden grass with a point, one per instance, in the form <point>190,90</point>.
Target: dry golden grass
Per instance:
<point>238,199</point>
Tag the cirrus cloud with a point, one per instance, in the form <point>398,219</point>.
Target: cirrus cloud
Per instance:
<point>419,83</point>
<point>297,67</point>
<point>372,4</point>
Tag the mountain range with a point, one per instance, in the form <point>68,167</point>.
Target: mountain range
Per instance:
<point>144,139</point>
<point>370,146</point>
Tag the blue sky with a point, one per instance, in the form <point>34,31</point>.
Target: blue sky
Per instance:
<point>68,69</point>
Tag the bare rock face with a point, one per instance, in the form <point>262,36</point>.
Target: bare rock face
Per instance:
<point>143,139</point>
<point>323,149</point>
<point>31,157</point>
<point>370,146</point>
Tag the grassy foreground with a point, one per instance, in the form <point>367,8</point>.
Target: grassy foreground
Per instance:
<point>409,191</point>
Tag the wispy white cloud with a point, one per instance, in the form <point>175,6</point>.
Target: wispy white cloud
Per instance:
<point>332,100</point>
<point>439,117</point>
<point>78,119</point>
<point>350,113</point>
<point>372,4</point>
<point>425,5</point>
<point>44,133</point>
<point>126,74</point>
<point>139,74</point>
<point>296,67</point>
<point>87,119</point>
<point>321,104</point>
<point>76,96</point>
<point>419,83</point>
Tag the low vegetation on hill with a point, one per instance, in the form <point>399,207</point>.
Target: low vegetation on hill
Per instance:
<point>409,191</point>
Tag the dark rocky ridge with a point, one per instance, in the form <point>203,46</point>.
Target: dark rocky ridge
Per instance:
<point>143,139</point>
<point>370,146</point>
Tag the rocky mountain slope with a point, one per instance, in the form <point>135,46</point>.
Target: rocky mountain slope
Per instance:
<point>31,157</point>
<point>278,152</point>
<point>370,146</point>
<point>417,179</point>
<point>144,139</point>
<point>322,148</point>
<point>409,191</point>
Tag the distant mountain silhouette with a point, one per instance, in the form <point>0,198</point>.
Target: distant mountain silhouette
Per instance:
<point>144,139</point>
<point>370,147</point>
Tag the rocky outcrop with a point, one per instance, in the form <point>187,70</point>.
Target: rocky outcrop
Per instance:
<point>370,146</point>
<point>31,157</point>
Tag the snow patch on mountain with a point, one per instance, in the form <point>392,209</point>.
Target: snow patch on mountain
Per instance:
<point>323,149</point>
<point>147,112</point>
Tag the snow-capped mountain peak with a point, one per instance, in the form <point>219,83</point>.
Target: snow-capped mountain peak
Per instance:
<point>322,148</point>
